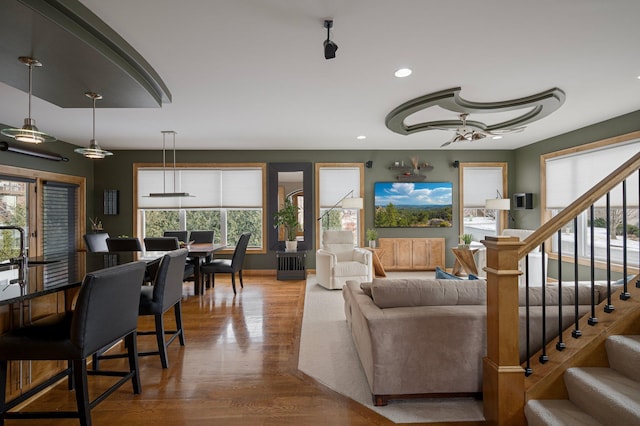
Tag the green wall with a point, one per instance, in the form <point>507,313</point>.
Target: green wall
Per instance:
<point>524,175</point>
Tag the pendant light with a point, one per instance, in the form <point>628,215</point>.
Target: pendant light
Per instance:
<point>164,192</point>
<point>29,132</point>
<point>94,151</point>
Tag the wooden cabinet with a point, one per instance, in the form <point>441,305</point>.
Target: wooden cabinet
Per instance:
<point>406,254</point>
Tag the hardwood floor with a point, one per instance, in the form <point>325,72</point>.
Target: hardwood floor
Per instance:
<point>239,367</point>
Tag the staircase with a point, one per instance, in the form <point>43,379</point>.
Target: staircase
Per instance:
<point>597,395</point>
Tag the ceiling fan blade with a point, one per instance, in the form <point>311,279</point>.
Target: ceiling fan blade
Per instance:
<point>446,143</point>
<point>499,132</point>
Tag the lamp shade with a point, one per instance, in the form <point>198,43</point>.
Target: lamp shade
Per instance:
<point>353,203</point>
<point>498,204</point>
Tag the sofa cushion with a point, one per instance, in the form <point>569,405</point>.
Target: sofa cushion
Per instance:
<point>366,288</point>
<point>552,295</point>
<point>407,292</point>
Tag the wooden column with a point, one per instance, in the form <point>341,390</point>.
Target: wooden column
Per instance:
<point>503,377</point>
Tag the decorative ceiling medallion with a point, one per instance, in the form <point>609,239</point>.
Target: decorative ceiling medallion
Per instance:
<point>537,106</point>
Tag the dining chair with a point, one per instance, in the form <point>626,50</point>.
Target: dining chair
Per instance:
<point>96,242</point>
<point>106,311</point>
<point>229,266</point>
<point>161,243</point>
<point>124,244</point>
<point>180,235</point>
<point>165,293</point>
<point>201,237</point>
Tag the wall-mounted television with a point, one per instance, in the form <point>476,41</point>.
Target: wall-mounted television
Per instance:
<point>413,204</point>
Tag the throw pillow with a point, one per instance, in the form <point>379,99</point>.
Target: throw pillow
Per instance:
<point>473,277</point>
<point>366,288</point>
<point>444,275</point>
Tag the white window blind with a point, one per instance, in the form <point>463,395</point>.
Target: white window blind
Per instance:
<point>335,183</point>
<point>570,176</point>
<point>209,187</point>
<point>480,184</point>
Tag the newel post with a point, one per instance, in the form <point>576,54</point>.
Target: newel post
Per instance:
<point>503,377</point>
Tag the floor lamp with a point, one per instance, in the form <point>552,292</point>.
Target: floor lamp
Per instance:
<point>346,203</point>
<point>498,204</point>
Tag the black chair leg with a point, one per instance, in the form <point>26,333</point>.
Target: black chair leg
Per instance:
<point>82,391</point>
<point>178,311</point>
<point>3,390</point>
<point>233,282</point>
<point>162,346</point>
<point>132,351</point>
<point>213,279</point>
<point>240,274</point>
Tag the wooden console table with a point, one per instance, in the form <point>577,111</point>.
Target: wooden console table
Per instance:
<point>465,261</point>
<point>411,254</point>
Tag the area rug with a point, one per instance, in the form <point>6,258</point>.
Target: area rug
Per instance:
<point>327,354</point>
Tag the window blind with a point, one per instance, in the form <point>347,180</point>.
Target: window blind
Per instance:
<point>480,184</point>
<point>59,228</point>
<point>335,183</point>
<point>209,187</point>
<point>570,176</point>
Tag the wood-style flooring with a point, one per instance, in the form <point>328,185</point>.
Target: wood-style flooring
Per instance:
<point>239,367</point>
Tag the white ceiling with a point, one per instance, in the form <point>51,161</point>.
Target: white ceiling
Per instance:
<point>251,74</point>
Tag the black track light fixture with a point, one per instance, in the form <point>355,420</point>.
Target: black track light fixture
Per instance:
<point>329,46</point>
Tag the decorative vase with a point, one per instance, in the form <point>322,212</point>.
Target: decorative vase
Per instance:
<point>372,244</point>
<point>291,246</point>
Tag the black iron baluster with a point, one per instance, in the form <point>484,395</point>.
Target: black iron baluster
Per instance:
<point>576,318</point>
<point>609,306</point>
<point>593,320</point>
<point>543,356</point>
<point>625,295</point>
<point>560,344</point>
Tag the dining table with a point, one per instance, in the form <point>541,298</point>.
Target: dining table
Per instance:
<point>200,253</point>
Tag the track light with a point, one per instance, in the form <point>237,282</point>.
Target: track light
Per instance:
<point>329,46</point>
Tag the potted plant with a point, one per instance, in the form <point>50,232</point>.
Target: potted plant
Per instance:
<point>465,240</point>
<point>287,217</point>
<point>372,236</point>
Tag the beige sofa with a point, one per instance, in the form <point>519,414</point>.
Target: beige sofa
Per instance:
<point>426,337</point>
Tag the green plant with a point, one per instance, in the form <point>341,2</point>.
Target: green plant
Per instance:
<point>466,238</point>
<point>372,234</point>
<point>287,216</point>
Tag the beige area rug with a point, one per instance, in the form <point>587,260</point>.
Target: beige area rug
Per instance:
<point>327,354</point>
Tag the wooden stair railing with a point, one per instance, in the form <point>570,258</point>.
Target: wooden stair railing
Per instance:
<point>503,376</point>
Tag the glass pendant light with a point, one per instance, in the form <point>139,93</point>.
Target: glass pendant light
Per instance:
<point>164,192</point>
<point>29,132</point>
<point>94,151</point>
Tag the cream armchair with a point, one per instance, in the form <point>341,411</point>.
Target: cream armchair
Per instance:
<point>339,261</point>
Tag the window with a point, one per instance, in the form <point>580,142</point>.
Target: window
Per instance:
<point>227,199</point>
<point>333,183</point>
<point>479,182</point>
<point>567,179</point>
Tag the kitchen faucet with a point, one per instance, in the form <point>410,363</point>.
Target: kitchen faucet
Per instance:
<point>21,260</point>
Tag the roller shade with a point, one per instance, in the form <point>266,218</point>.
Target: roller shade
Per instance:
<point>335,183</point>
<point>570,176</point>
<point>208,187</point>
<point>481,184</point>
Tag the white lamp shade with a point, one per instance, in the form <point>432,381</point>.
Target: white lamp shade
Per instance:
<point>353,203</point>
<point>498,204</point>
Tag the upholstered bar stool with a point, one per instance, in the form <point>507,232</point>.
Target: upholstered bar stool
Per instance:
<point>106,312</point>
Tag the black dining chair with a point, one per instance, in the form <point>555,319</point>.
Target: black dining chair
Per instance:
<point>180,235</point>
<point>96,242</point>
<point>106,311</point>
<point>161,243</point>
<point>201,237</point>
<point>229,266</point>
<point>165,293</point>
<point>124,244</point>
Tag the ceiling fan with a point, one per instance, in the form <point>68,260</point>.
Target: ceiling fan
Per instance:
<point>472,132</point>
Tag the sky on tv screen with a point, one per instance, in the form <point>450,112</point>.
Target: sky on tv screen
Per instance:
<point>413,193</point>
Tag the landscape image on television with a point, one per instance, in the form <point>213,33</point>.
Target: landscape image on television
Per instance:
<point>413,204</point>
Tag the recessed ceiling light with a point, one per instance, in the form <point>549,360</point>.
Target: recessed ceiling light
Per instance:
<point>403,72</point>
<point>361,137</point>
<point>497,137</point>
